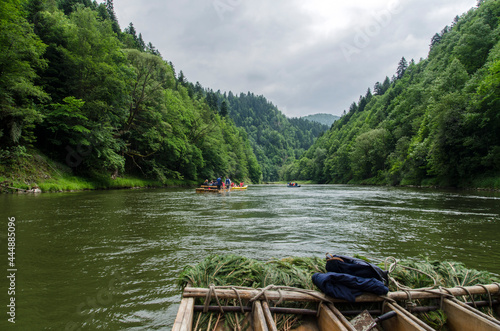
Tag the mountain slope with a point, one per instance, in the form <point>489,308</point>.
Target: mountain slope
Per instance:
<point>436,123</point>
<point>275,139</point>
<point>325,119</point>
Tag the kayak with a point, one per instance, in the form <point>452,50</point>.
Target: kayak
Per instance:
<point>239,187</point>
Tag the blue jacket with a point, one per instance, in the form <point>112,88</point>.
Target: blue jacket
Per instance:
<point>347,287</point>
<point>356,267</point>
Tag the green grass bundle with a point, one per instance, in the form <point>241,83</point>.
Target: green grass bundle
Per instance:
<point>446,274</point>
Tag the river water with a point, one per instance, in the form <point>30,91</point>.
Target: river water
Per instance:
<point>109,259</point>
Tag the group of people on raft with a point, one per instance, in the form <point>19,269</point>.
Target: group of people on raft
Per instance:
<point>221,184</point>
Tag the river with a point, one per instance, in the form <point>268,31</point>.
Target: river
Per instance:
<point>109,259</point>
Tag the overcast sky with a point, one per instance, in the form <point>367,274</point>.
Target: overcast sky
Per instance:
<point>305,57</point>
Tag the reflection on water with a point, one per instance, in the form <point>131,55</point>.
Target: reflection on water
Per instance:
<point>110,259</point>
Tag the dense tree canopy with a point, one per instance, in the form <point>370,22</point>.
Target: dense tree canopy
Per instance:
<point>435,123</point>
<point>21,55</point>
<point>276,139</point>
<point>75,87</point>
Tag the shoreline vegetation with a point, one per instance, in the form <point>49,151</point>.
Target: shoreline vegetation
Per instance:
<point>39,174</point>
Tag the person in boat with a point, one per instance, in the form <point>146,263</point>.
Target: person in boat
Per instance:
<point>219,182</point>
<point>241,184</point>
<point>206,183</point>
<point>228,182</point>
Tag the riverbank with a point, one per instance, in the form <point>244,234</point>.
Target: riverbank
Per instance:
<point>482,182</point>
<point>38,173</point>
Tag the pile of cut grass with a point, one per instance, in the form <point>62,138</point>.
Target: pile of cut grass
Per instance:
<point>234,270</point>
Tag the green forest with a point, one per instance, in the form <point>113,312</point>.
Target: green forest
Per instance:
<point>84,101</point>
<point>103,103</point>
<point>435,123</point>
<point>80,97</point>
<point>276,139</point>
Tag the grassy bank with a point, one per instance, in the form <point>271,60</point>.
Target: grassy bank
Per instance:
<point>38,171</point>
<point>74,183</point>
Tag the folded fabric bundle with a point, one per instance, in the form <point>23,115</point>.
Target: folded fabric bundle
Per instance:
<point>347,287</point>
<point>356,267</point>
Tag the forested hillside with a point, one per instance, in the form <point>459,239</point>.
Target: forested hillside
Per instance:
<point>275,139</point>
<point>102,101</point>
<point>437,122</point>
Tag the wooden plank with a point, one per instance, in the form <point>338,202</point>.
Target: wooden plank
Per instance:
<point>473,308</point>
<point>403,321</point>
<point>179,319</point>
<point>185,314</point>
<point>463,317</point>
<point>258,318</point>
<point>327,320</point>
<point>299,296</point>
<point>274,310</point>
<point>341,317</point>
<point>215,190</point>
<point>269,317</point>
<point>455,291</point>
<point>412,317</point>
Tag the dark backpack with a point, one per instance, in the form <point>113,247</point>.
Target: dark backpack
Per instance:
<point>355,267</point>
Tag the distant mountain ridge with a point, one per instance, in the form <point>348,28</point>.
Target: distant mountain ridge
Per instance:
<point>326,119</point>
<point>276,139</point>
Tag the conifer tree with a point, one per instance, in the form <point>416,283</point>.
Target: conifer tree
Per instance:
<point>131,31</point>
<point>111,12</point>
<point>141,44</point>
<point>435,40</point>
<point>224,109</point>
<point>402,66</point>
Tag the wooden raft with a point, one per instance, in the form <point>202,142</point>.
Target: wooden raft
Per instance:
<point>460,316</point>
<point>211,189</point>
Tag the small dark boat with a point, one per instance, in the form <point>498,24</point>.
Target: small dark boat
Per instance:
<point>293,185</point>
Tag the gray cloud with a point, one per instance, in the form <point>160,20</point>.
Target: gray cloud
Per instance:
<point>305,57</point>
